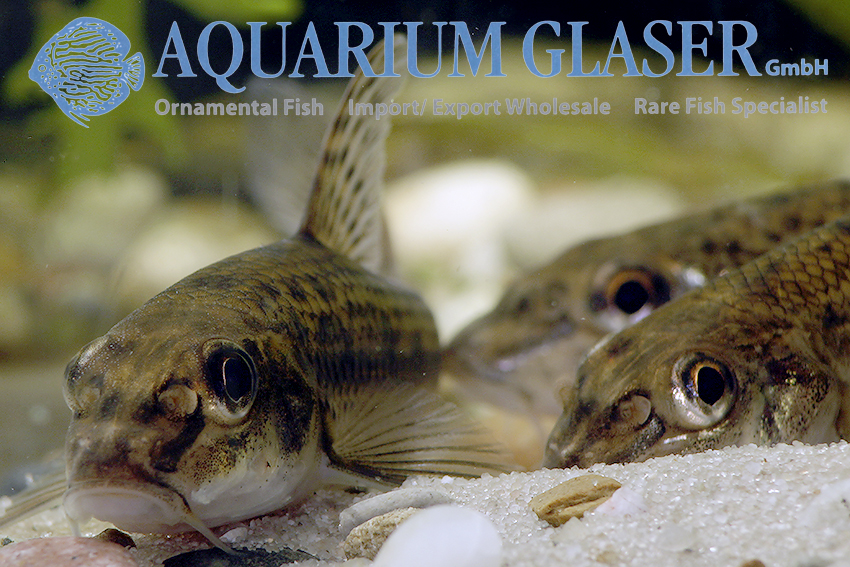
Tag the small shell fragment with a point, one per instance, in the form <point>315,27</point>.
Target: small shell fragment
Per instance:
<point>367,509</point>
<point>366,539</point>
<point>572,498</point>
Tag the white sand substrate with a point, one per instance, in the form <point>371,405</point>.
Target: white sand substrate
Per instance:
<point>785,506</point>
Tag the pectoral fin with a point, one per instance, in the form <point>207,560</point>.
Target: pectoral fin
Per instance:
<point>387,435</point>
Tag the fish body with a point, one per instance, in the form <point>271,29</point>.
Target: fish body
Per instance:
<point>273,332</point>
<point>252,382</point>
<point>85,67</point>
<point>529,346</point>
<point>759,355</point>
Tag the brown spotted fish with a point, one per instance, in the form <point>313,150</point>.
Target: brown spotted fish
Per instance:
<point>529,346</point>
<point>759,355</point>
<point>248,384</point>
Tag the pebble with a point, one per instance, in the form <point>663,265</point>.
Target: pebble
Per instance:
<point>465,208</point>
<point>538,233</point>
<point>366,539</point>
<point>445,535</point>
<point>367,509</point>
<point>624,502</point>
<point>572,498</point>
<point>235,535</point>
<point>66,551</point>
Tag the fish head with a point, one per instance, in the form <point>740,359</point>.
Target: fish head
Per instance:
<point>652,389</point>
<point>178,424</point>
<point>530,345</point>
<point>696,375</point>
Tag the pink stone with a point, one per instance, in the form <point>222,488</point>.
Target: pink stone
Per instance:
<point>65,552</point>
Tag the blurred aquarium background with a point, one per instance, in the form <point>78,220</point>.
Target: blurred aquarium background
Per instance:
<point>95,221</point>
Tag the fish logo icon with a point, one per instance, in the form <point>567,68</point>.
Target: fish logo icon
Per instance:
<point>85,68</point>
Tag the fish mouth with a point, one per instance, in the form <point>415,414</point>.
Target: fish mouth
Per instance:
<point>581,445</point>
<point>133,508</point>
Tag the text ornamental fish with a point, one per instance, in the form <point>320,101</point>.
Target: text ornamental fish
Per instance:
<point>246,385</point>
<point>87,69</point>
<point>759,355</point>
<point>530,345</point>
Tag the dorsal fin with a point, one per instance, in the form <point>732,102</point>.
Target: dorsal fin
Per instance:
<point>344,211</point>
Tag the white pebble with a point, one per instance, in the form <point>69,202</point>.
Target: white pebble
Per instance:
<point>443,536</point>
<point>624,502</point>
<point>572,530</point>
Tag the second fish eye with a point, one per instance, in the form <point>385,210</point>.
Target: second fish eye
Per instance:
<point>631,289</point>
<point>704,389</point>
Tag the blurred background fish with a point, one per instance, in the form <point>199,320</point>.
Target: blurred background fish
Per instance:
<point>758,355</point>
<point>528,348</point>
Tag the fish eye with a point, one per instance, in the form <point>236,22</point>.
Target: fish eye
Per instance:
<point>630,290</point>
<point>231,375</point>
<point>704,389</point>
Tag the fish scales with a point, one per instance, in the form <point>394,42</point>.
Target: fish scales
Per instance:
<point>529,346</point>
<point>759,355</point>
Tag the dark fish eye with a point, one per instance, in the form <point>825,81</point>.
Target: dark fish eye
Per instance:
<point>704,389</point>
<point>709,384</point>
<point>238,378</point>
<point>631,289</point>
<point>231,375</point>
<point>631,296</point>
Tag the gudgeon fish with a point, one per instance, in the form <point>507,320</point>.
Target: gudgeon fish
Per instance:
<point>520,354</point>
<point>759,355</point>
<point>250,383</point>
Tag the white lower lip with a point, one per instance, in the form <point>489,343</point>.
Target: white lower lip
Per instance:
<point>129,509</point>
